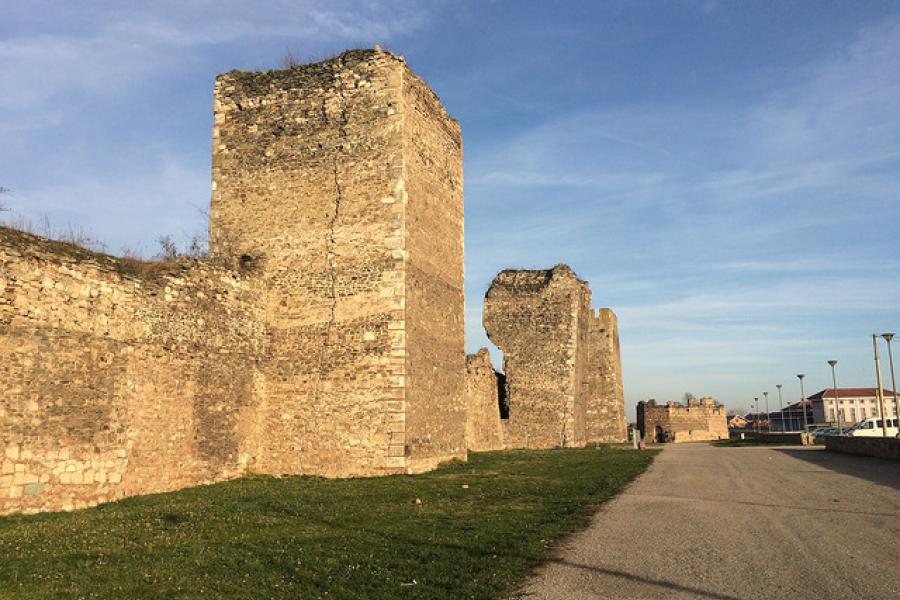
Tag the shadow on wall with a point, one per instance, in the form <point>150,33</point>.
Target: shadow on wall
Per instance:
<point>877,470</point>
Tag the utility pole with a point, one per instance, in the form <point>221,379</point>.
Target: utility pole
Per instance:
<point>837,406</point>
<point>888,337</point>
<point>768,420</point>
<point>800,376</point>
<point>879,393</point>
<point>756,416</point>
<point>780,406</point>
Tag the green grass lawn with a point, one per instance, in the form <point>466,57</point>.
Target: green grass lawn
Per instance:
<point>305,537</point>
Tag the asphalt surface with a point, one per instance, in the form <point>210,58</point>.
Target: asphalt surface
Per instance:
<point>736,523</point>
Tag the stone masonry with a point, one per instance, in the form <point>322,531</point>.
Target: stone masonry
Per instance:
<point>484,430</point>
<point>345,179</point>
<point>117,381</point>
<point>324,336</point>
<point>561,359</point>
<point>698,421</point>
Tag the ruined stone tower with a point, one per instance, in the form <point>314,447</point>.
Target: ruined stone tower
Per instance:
<point>701,420</point>
<point>605,411</point>
<point>343,181</point>
<point>561,361</point>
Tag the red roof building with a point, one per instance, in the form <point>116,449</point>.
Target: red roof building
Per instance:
<point>851,404</point>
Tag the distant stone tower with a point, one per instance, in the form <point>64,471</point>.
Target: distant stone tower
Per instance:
<point>561,361</point>
<point>341,182</point>
<point>605,409</point>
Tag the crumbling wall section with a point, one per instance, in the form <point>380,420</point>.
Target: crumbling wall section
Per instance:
<point>536,318</point>
<point>605,412</point>
<point>701,420</point>
<point>119,382</point>
<point>484,430</point>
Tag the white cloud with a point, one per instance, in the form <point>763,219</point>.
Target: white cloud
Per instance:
<point>109,49</point>
<point>734,243</point>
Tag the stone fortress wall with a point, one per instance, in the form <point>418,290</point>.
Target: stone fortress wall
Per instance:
<point>701,420</point>
<point>345,177</point>
<point>333,345</point>
<point>323,336</point>
<point>484,427</point>
<point>561,360</point>
<point>117,382</point>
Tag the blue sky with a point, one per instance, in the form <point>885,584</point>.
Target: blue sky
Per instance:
<point>725,174</point>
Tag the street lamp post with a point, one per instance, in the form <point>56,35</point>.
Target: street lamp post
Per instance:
<point>756,416</point>
<point>879,393</point>
<point>780,406</point>
<point>768,420</point>
<point>889,337</point>
<point>800,376</point>
<point>837,407</point>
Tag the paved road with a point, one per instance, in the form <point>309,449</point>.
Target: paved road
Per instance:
<point>736,523</point>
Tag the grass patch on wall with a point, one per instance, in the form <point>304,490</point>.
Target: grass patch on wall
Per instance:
<point>470,530</point>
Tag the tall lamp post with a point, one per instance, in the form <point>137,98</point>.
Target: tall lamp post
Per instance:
<point>756,416</point>
<point>780,406</point>
<point>768,420</point>
<point>879,393</point>
<point>888,337</point>
<point>800,376</point>
<point>837,407</point>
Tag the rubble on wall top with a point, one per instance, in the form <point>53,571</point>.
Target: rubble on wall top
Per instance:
<point>22,243</point>
<point>525,280</point>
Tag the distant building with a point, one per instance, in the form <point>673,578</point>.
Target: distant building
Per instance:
<point>700,420</point>
<point>790,418</point>
<point>854,404</point>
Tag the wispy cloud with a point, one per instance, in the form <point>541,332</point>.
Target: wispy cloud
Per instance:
<point>723,235</point>
<point>111,48</point>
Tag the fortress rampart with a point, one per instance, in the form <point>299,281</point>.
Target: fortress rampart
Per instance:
<point>561,360</point>
<point>333,345</point>
<point>324,335</point>
<point>484,427</point>
<point>119,383</point>
<point>698,421</point>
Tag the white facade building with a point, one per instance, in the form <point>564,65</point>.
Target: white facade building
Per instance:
<point>854,404</point>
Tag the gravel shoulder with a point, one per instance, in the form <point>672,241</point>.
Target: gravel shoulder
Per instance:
<point>735,523</point>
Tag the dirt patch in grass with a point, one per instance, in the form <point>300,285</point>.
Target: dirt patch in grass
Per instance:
<point>468,530</point>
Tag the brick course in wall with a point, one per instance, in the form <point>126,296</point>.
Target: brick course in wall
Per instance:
<point>701,420</point>
<point>561,359</point>
<point>332,345</point>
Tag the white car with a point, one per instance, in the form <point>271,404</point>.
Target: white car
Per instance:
<point>871,427</point>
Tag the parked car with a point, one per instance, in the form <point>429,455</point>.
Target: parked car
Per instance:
<point>823,431</point>
<point>872,427</point>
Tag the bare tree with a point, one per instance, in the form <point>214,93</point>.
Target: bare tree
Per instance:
<point>290,60</point>
<point>197,248</point>
<point>168,249</point>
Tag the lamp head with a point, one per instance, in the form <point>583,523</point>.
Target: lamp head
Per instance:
<point>832,362</point>
<point>800,376</point>
<point>778,385</point>
<point>888,336</point>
